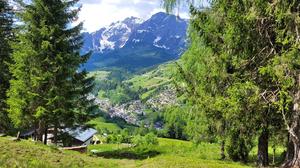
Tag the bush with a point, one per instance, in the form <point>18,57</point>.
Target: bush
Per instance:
<point>114,139</point>
<point>119,137</point>
<point>151,139</point>
<point>145,141</point>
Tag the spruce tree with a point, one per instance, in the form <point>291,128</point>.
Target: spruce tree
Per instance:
<point>48,88</point>
<point>6,35</point>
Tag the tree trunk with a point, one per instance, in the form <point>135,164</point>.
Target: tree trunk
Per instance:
<point>223,129</point>
<point>46,135</point>
<point>40,131</point>
<point>35,133</point>
<point>290,149</point>
<point>223,150</point>
<point>18,135</point>
<point>262,154</point>
<point>293,153</point>
<point>274,153</point>
<point>55,134</point>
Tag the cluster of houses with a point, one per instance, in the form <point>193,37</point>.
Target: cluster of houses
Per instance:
<point>163,99</point>
<point>130,111</point>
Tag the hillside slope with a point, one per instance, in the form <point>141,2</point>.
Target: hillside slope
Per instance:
<point>169,154</point>
<point>30,154</point>
<point>158,78</point>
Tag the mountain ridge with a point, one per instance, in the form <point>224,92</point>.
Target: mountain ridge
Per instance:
<point>134,44</point>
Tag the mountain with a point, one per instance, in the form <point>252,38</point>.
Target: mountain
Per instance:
<point>112,37</point>
<point>134,44</point>
<point>162,31</point>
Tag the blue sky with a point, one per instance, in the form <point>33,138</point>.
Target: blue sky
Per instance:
<point>99,13</point>
<point>96,14</point>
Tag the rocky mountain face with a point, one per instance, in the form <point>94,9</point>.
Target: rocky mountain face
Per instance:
<point>110,38</point>
<point>163,31</point>
<point>133,43</point>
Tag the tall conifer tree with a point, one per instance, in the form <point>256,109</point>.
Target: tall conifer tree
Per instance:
<point>48,88</point>
<point>6,34</point>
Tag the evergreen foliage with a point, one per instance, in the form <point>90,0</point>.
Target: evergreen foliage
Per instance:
<point>242,70</point>
<point>6,35</point>
<point>47,88</point>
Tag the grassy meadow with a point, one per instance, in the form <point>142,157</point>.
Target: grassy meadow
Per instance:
<point>169,153</point>
<point>153,79</point>
<point>100,123</point>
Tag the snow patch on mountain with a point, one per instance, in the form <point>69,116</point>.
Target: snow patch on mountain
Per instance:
<point>138,20</point>
<point>142,31</point>
<point>136,40</point>
<point>157,40</point>
<point>112,37</point>
<point>162,46</point>
<point>106,44</point>
<point>155,43</point>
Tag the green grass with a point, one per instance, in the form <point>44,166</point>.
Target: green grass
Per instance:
<point>159,76</point>
<point>187,153</point>
<point>153,79</point>
<point>99,75</point>
<point>168,154</point>
<point>100,124</point>
<point>34,155</point>
<point>115,125</point>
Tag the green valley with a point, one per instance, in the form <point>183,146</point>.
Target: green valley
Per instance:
<point>137,94</point>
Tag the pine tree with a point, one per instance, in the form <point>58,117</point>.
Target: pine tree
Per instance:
<point>48,88</point>
<point>6,34</point>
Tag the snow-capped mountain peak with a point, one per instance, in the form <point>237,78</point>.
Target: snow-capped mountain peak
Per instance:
<point>134,43</point>
<point>111,37</point>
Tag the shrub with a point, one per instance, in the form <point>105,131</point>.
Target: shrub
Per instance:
<point>145,141</point>
<point>119,137</point>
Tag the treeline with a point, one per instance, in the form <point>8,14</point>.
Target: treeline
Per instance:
<point>241,76</point>
<point>41,86</point>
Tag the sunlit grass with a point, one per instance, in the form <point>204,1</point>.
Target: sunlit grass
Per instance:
<point>168,154</point>
<point>100,124</point>
<point>30,154</point>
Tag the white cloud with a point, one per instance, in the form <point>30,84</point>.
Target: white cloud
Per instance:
<point>96,16</point>
<point>99,13</point>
